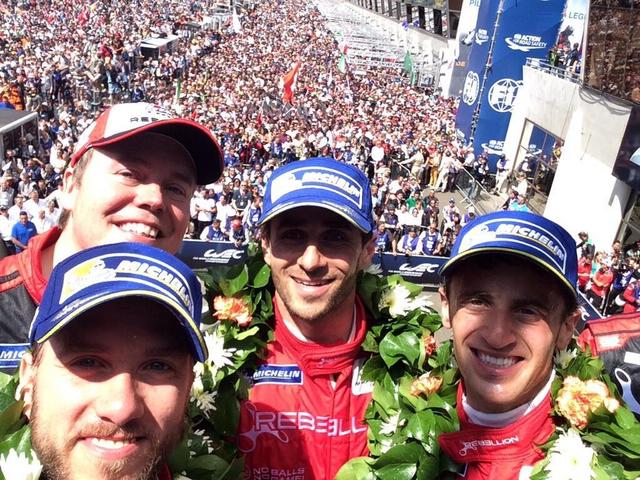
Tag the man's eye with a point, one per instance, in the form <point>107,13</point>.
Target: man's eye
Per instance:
<point>292,235</point>
<point>86,362</point>
<point>158,366</point>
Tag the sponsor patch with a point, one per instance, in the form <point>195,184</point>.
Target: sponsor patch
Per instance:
<point>11,353</point>
<point>278,374</point>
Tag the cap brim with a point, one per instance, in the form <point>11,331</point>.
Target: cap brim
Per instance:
<point>197,140</point>
<point>191,329</point>
<point>455,261</point>
<point>356,219</point>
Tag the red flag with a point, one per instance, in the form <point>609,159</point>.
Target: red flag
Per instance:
<point>288,83</point>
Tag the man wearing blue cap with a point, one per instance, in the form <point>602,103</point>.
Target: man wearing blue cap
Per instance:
<point>509,296</point>
<point>107,382</point>
<point>304,417</point>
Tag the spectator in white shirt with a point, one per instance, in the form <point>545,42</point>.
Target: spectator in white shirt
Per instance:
<point>34,205</point>
<point>42,221</point>
<point>5,230</point>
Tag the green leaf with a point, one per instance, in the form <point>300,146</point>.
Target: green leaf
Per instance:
<point>384,398</point>
<point>210,463</point>
<point>404,346</point>
<point>20,441</point>
<point>10,416</point>
<point>407,453</point>
<point>227,414</point>
<point>238,282</point>
<point>400,471</point>
<point>179,458</point>
<point>421,425</point>
<point>356,469</point>
<point>624,417</point>
<point>261,279</point>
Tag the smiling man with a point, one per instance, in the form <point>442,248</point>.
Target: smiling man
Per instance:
<point>509,296</point>
<point>107,383</point>
<point>304,417</point>
<point>130,179</point>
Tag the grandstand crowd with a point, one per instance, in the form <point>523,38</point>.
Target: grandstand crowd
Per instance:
<point>70,60</point>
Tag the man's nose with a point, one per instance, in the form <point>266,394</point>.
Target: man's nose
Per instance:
<point>119,401</point>
<point>150,196</point>
<point>312,258</point>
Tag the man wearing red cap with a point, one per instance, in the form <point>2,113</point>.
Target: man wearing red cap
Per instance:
<point>131,178</point>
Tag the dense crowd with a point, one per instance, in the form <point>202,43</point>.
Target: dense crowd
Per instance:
<point>70,60</point>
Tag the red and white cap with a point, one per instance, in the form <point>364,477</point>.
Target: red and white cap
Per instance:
<point>125,120</point>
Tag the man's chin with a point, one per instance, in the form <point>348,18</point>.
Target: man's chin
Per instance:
<point>82,465</point>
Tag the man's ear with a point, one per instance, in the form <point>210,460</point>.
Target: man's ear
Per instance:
<point>567,327</point>
<point>366,255</point>
<point>69,189</point>
<point>266,249</point>
<point>24,391</point>
<point>444,301</point>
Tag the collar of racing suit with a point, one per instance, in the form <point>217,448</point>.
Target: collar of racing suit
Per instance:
<point>476,443</point>
<point>319,359</point>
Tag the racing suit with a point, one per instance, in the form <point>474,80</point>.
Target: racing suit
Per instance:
<point>304,417</point>
<point>499,453</point>
<point>22,285</point>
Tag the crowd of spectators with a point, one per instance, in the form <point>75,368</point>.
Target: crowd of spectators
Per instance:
<point>70,60</point>
<point>609,278</point>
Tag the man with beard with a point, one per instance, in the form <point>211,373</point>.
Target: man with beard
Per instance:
<point>317,226</point>
<point>131,177</point>
<point>106,384</point>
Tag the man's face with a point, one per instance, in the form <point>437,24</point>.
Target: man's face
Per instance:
<point>315,256</point>
<point>135,191</point>
<point>126,382</point>
<point>23,219</point>
<point>506,324</point>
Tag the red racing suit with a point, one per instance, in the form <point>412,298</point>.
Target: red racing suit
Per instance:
<point>22,285</point>
<point>304,417</point>
<point>498,453</point>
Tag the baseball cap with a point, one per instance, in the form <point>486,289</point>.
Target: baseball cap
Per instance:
<point>324,183</point>
<point>525,234</point>
<point>125,120</point>
<point>101,274</point>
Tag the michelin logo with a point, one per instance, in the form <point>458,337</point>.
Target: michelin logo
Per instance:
<point>525,43</point>
<point>482,36</point>
<point>278,374</point>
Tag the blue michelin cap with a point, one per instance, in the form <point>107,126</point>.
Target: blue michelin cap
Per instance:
<point>520,233</point>
<point>108,272</point>
<point>320,182</point>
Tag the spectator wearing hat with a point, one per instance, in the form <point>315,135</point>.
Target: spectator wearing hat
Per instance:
<point>511,303</point>
<point>121,344</point>
<point>131,177</point>
<point>600,283</point>
<point>317,235</point>
<point>430,240</point>
<point>213,233</point>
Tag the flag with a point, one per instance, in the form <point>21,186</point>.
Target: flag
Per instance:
<point>235,22</point>
<point>408,67</point>
<point>342,63</point>
<point>288,83</point>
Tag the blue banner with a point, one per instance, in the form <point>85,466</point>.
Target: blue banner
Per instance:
<point>527,30</point>
<point>202,254</point>
<point>476,65</point>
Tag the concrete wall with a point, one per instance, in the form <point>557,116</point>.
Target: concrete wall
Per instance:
<point>585,194</point>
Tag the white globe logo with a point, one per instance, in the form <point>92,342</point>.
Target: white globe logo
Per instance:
<point>503,93</point>
<point>471,88</point>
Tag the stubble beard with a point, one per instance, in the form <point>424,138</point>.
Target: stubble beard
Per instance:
<point>55,459</point>
<point>300,311</point>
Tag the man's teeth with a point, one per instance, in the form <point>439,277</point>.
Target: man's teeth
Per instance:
<point>110,444</point>
<point>140,229</point>
<point>311,284</point>
<point>496,361</point>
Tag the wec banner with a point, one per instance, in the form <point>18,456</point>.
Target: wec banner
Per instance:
<point>526,30</point>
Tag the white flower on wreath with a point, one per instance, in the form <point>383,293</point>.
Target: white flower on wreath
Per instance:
<point>421,302</point>
<point>17,466</point>
<point>374,269</point>
<point>570,459</point>
<point>218,355</point>
<point>392,425</point>
<point>563,357</point>
<point>396,298</point>
<point>205,400</point>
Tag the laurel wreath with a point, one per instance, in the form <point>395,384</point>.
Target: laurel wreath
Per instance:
<point>413,399</point>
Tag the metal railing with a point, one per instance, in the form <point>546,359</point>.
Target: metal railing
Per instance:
<point>565,72</point>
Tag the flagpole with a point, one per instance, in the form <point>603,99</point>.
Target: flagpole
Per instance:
<point>487,68</point>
